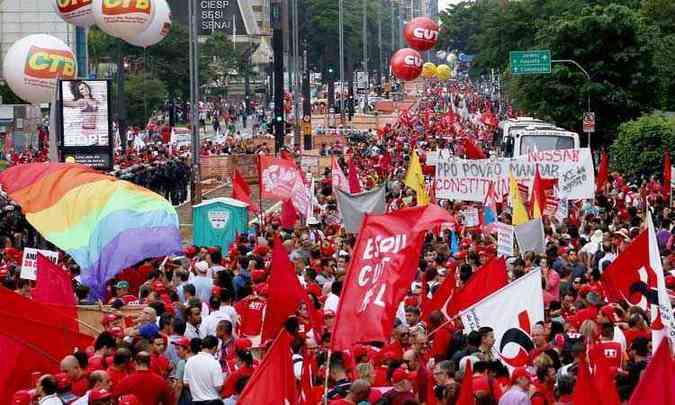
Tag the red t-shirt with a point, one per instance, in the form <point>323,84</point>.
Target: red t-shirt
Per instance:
<point>150,388</point>
<point>612,352</point>
<point>441,342</point>
<point>116,376</point>
<point>228,387</point>
<point>160,365</point>
<point>250,311</point>
<point>80,386</point>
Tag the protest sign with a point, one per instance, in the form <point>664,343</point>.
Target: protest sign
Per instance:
<point>29,262</point>
<point>468,180</point>
<point>470,217</point>
<point>504,239</point>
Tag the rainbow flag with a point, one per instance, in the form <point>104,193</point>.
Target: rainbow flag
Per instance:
<point>103,223</point>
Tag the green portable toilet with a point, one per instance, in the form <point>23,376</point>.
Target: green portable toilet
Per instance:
<point>218,221</point>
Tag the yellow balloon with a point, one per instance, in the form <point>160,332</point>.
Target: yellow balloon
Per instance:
<point>443,72</point>
<point>428,70</point>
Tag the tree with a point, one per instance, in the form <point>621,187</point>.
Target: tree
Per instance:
<point>649,134</point>
<point>145,94</point>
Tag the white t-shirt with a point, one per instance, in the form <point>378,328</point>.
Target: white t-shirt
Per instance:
<point>50,400</point>
<point>210,322</point>
<point>332,302</point>
<point>204,377</point>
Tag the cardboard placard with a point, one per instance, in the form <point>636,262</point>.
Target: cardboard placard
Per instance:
<point>29,262</point>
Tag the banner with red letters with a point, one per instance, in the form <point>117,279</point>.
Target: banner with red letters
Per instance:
<point>385,259</point>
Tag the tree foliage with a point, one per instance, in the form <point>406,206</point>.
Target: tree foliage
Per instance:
<point>145,93</point>
<point>627,47</point>
<point>649,134</point>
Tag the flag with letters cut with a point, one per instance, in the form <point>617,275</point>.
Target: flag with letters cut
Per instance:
<point>511,312</point>
<point>383,266</point>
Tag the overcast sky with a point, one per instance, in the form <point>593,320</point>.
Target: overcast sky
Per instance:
<point>442,4</point>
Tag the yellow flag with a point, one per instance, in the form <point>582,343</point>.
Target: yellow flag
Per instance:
<point>415,179</point>
<point>518,213</point>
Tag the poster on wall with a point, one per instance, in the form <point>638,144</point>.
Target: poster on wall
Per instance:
<point>86,126</point>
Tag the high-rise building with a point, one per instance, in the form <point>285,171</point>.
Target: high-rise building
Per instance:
<point>19,18</point>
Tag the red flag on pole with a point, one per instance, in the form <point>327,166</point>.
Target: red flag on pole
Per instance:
<point>603,172</point>
<point>538,198</point>
<point>440,297</point>
<point>55,288</point>
<point>273,382</point>
<point>285,292</point>
<point>657,384</point>
<point>466,390</point>
<point>472,150</point>
<point>667,175</point>
<point>278,177</point>
<point>241,191</point>
<point>289,215</point>
<point>354,184</point>
<point>489,278</point>
<point>383,266</point>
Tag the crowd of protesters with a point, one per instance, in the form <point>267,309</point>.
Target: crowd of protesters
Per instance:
<point>196,338</point>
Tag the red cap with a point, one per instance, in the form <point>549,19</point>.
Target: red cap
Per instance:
<point>215,290</point>
<point>212,250</point>
<point>99,393</point>
<point>4,271</point>
<point>117,332</point>
<point>585,289</point>
<point>128,400</point>
<point>182,342</point>
<point>261,251</point>
<point>258,276</point>
<point>410,302</point>
<point>670,281</point>
<point>328,313</point>
<point>400,375</point>
<point>243,344</point>
<point>360,351</point>
<point>520,372</point>
<point>22,397</point>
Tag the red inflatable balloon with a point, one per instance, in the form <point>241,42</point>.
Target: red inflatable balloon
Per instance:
<point>421,33</point>
<point>406,64</point>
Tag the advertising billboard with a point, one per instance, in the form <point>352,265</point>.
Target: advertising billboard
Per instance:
<point>86,126</point>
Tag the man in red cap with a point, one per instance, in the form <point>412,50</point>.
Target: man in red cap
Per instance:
<point>402,391</point>
<point>519,392</point>
<point>183,352</point>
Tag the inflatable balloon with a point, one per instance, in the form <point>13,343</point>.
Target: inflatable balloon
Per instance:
<point>159,27</point>
<point>428,70</point>
<point>441,55</point>
<point>406,64</point>
<point>452,59</point>
<point>443,72</point>
<point>33,64</point>
<point>76,12</point>
<point>125,19</point>
<point>421,33</point>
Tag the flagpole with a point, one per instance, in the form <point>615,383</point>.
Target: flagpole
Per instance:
<point>325,382</point>
<point>260,206</point>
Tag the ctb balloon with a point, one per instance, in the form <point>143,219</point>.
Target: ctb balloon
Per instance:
<point>76,12</point>
<point>406,64</point>
<point>34,63</point>
<point>421,33</point>
<point>159,27</point>
<point>428,70</point>
<point>125,19</point>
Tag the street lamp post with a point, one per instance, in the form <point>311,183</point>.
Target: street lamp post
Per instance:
<point>194,99</point>
<point>365,56</point>
<point>588,78</point>
<point>342,59</point>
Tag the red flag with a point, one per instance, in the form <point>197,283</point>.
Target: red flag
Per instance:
<point>667,175</point>
<point>656,384</point>
<point>273,382</point>
<point>538,197</point>
<point>382,268</point>
<point>278,177</point>
<point>285,292</point>
<point>603,172</point>
<point>622,278</point>
<point>33,337</point>
<point>466,390</point>
<point>241,191</point>
<point>489,278</point>
<point>440,297</point>
<point>306,385</point>
<point>472,150</point>
<point>54,286</point>
<point>354,184</point>
<point>585,392</point>
<point>289,216</point>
